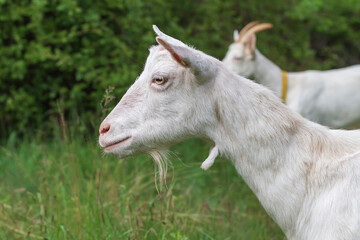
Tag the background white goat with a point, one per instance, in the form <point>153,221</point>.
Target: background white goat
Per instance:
<point>329,97</point>
<point>306,176</point>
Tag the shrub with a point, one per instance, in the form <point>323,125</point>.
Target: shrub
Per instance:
<point>58,57</point>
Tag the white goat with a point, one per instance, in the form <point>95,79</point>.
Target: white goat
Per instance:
<point>306,176</point>
<point>329,97</point>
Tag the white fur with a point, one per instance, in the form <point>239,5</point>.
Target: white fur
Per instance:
<point>306,176</point>
<point>210,159</point>
<point>329,97</point>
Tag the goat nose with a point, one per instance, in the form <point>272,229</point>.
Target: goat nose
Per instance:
<point>104,128</point>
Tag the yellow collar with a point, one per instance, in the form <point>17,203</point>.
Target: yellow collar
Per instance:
<point>284,86</point>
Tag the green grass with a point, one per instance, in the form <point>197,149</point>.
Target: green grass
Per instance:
<point>70,190</point>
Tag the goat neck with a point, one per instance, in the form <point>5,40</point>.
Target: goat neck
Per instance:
<point>267,73</point>
<point>273,163</point>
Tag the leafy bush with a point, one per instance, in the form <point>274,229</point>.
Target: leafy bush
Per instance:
<point>58,57</point>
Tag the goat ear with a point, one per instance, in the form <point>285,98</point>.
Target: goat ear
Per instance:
<point>186,56</point>
<point>236,35</point>
<point>171,51</point>
<point>168,43</point>
<point>167,38</point>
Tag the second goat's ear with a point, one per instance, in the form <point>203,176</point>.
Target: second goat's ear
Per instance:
<point>236,35</point>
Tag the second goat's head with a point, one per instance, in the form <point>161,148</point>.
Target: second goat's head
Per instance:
<point>240,57</point>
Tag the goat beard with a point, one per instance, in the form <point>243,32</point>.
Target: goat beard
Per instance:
<point>161,161</point>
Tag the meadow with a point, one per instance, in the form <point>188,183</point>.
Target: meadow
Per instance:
<point>68,189</point>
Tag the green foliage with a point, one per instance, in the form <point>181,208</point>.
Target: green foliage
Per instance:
<point>58,190</point>
<point>58,57</point>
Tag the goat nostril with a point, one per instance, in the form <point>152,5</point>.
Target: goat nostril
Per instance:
<point>105,128</point>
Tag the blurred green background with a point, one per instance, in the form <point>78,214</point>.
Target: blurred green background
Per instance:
<point>57,57</point>
<point>65,63</point>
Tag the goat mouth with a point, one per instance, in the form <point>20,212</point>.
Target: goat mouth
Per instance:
<point>116,144</point>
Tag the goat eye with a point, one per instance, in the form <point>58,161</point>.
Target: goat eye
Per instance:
<point>159,80</point>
